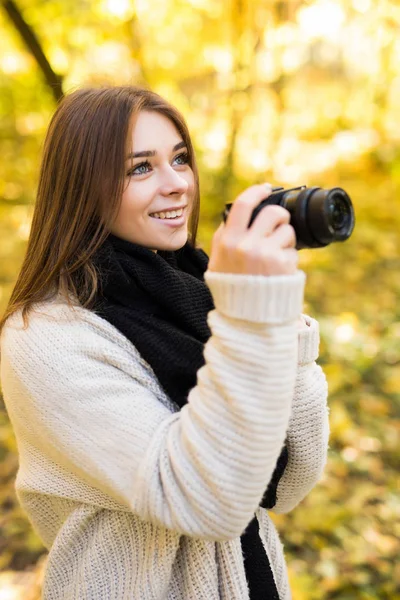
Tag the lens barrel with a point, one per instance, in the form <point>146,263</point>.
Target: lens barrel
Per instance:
<point>319,216</point>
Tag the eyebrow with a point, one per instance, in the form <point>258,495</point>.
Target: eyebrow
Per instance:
<point>147,153</point>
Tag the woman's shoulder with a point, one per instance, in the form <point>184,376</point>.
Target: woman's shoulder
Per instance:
<point>70,343</point>
<point>60,323</point>
<point>49,311</point>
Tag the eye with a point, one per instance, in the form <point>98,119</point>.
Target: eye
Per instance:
<point>183,158</point>
<point>140,169</point>
<point>144,167</point>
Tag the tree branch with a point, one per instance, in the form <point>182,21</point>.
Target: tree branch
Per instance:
<point>53,80</point>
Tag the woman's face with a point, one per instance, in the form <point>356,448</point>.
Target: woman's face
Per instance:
<point>158,179</point>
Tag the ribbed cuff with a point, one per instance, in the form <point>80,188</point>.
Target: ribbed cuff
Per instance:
<point>308,341</point>
<point>257,298</point>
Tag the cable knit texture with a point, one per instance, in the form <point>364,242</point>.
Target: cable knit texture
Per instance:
<point>134,499</point>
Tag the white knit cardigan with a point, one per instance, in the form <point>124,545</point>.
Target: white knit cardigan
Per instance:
<point>136,499</point>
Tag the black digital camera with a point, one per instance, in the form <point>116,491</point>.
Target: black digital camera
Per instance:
<point>319,217</point>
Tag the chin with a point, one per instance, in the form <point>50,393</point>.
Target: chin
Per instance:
<point>175,243</point>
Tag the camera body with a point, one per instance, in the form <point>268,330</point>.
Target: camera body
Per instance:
<point>318,216</point>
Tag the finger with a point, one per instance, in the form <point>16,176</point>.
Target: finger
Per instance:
<point>242,209</point>
<point>284,236</point>
<point>268,219</point>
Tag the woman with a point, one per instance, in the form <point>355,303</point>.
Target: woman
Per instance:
<point>162,401</point>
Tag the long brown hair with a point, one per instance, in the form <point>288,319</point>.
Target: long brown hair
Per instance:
<point>81,182</point>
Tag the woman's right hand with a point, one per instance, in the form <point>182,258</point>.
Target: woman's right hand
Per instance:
<point>266,248</point>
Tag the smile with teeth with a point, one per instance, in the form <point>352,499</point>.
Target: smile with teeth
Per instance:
<point>168,215</point>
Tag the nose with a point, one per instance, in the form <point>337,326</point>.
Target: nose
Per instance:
<point>172,183</point>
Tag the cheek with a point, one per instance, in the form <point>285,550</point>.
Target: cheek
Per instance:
<point>192,186</point>
<point>136,199</point>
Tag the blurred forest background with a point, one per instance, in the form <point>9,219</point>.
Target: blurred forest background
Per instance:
<point>297,92</point>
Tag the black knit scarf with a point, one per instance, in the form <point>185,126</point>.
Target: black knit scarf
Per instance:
<point>160,302</point>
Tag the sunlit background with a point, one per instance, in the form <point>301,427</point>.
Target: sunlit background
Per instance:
<point>298,92</point>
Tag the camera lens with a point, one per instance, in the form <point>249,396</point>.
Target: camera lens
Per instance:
<point>338,212</point>
<point>319,216</point>
<point>330,215</point>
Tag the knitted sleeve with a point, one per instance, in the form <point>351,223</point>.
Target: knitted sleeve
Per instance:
<point>308,433</point>
<point>76,396</point>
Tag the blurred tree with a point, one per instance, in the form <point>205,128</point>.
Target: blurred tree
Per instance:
<point>33,46</point>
